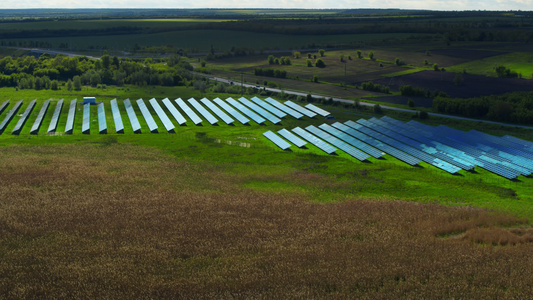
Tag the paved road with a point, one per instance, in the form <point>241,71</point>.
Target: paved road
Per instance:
<point>220,79</point>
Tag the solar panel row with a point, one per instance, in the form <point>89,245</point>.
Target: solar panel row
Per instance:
<point>284,108</point>
<point>55,117</point>
<point>4,106</point>
<point>162,115</point>
<point>117,118</point>
<point>24,117</point>
<point>314,140</point>
<point>152,126</point>
<point>135,125</point>
<point>189,112</point>
<point>40,117</point>
<point>352,141</point>
<point>9,116</point>
<point>300,109</point>
<point>102,122</point>
<point>317,110</point>
<point>276,140</point>
<point>246,111</point>
<point>207,115</point>
<point>86,125</point>
<point>174,112</point>
<point>292,138</point>
<point>217,111</point>
<point>337,143</point>
<point>69,127</point>
<point>260,111</point>
<point>278,113</point>
<point>237,115</point>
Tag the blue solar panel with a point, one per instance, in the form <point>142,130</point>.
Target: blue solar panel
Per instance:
<point>276,140</point>
<point>227,119</point>
<point>174,112</point>
<point>278,113</point>
<point>119,126</point>
<point>352,141</point>
<point>260,110</point>
<point>40,117</point>
<point>189,112</point>
<point>135,125</point>
<point>284,108</point>
<point>246,111</point>
<point>102,122</point>
<point>292,138</point>
<point>315,141</point>
<point>69,127</point>
<point>9,116</point>
<point>237,115</point>
<point>162,115</point>
<point>86,125</point>
<point>397,133</point>
<point>55,117</point>
<point>409,159</point>
<point>147,116</point>
<point>317,110</point>
<point>338,143</point>
<point>4,106</point>
<point>207,115</point>
<point>396,141</point>
<point>300,109</point>
<point>24,118</point>
<point>523,143</point>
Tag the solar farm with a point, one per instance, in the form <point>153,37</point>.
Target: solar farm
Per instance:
<point>367,140</point>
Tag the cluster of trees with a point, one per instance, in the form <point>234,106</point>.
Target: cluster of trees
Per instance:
<point>375,87</point>
<point>284,60</point>
<point>504,72</point>
<point>270,72</point>
<point>514,107</point>
<point>48,72</point>
<point>410,91</point>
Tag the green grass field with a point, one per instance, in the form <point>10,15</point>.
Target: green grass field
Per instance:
<point>520,62</point>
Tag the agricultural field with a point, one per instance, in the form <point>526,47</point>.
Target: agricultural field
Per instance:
<point>219,211</point>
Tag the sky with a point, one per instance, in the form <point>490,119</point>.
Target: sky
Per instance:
<point>309,4</point>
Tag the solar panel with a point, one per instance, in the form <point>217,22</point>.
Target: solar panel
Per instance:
<point>24,117</point>
<point>147,116</point>
<point>86,125</point>
<point>174,112</point>
<point>300,109</point>
<point>409,159</point>
<point>102,122</point>
<point>284,108</point>
<point>162,115</point>
<point>189,112</point>
<point>314,140</point>
<point>40,117</point>
<point>527,144</point>
<point>69,127</point>
<point>337,143</point>
<point>207,115</point>
<point>119,126</point>
<point>10,116</point>
<point>55,117</point>
<point>276,140</point>
<point>237,115</point>
<point>317,110</point>
<point>260,110</point>
<point>246,111</point>
<point>135,125</point>
<point>227,119</point>
<point>278,113</point>
<point>396,141</point>
<point>352,141</point>
<point>4,106</point>
<point>292,138</point>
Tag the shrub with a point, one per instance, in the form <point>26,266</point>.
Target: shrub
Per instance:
<point>320,63</point>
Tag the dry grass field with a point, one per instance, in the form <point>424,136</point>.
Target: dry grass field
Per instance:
<point>121,221</point>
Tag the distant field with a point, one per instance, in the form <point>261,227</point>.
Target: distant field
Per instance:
<point>202,40</point>
<point>521,62</point>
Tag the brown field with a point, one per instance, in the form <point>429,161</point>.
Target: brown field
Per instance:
<point>119,221</point>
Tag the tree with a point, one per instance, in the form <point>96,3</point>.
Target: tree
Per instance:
<point>297,54</point>
<point>341,58</point>
<point>315,78</point>
<point>377,109</point>
<point>77,83</point>
<point>309,63</point>
<point>435,67</point>
<point>320,63</point>
<point>54,85</point>
<point>411,103</point>
<point>321,52</point>
<point>371,55</point>
<point>69,85</point>
<point>359,54</point>
<point>271,59</point>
